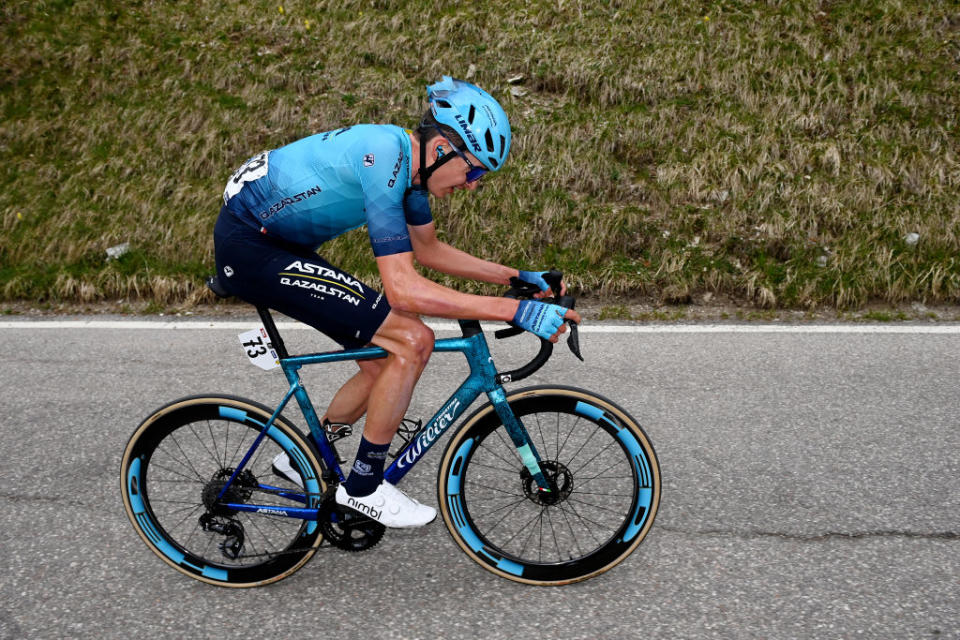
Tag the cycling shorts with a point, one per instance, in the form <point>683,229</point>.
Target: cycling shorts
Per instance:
<point>294,280</point>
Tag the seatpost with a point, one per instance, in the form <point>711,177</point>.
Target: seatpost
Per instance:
<point>271,328</point>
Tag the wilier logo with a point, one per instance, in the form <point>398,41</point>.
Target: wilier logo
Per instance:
<point>368,160</point>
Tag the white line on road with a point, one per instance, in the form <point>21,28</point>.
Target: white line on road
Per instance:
<point>232,325</point>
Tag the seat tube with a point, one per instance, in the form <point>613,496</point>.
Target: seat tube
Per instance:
<point>520,437</point>
<point>310,415</point>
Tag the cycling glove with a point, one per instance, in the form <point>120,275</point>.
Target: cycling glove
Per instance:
<point>540,318</point>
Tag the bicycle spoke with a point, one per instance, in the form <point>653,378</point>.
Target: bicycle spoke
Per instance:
<point>595,456</point>
<point>508,447</point>
<point>569,433</point>
<point>196,509</point>
<point>553,531</point>
<point>237,454</point>
<point>213,443</point>
<point>487,514</point>
<point>213,455</point>
<point>573,533</point>
<point>186,479</point>
<point>493,468</point>
<point>521,529</point>
<point>596,428</point>
<point>582,518</point>
<point>179,458</point>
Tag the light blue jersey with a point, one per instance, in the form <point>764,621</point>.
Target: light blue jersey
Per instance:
<point>324,185</point>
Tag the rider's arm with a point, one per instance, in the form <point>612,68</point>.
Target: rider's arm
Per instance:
<point>407,290</point>
<point>431,252</point>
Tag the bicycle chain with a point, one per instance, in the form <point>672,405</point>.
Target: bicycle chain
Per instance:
<point>371,531</point>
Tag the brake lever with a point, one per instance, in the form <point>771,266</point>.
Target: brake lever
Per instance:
<point>554,279</point>
<point>574,340</point>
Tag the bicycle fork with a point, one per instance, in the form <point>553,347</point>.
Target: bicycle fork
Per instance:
<point>521,440</point>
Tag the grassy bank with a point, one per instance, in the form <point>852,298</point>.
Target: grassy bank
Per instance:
<point>777,152</point>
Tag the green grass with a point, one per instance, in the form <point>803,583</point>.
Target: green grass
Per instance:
<point>774,152</point>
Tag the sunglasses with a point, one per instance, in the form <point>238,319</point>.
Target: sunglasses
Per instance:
<point>474,172</point>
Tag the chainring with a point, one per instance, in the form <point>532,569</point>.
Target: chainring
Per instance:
<point>345,528</point>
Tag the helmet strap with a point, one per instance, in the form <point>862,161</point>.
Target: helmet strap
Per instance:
<point>425,172</point>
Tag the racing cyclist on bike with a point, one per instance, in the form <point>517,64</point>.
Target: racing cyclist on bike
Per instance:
<point>281,205</point>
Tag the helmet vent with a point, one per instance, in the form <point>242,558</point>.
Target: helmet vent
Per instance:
<point>503,145</point>
<point>489,140</point>
<point>443,104</point>
<point>493,162</point>
<point>472,113</point>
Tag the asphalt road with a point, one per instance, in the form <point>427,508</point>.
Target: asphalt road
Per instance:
<point>811,489</point>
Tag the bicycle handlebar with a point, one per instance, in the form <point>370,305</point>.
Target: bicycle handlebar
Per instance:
<point>524,290</point>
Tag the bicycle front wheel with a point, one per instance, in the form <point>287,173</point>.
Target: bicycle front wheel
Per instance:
<point>176,465</point>
<point>607,478</point>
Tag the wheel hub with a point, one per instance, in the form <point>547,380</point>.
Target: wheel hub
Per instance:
<point>559,478</point>
<point>239,492</point>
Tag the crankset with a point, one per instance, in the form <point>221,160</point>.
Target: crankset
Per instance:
<point>345,528</point>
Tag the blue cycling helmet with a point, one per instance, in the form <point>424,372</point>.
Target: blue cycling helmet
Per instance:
<point>475,115</point>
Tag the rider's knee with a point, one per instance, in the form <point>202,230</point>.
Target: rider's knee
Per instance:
<point>370,369</point>
<point>420,340</point>
<point>411,339</point>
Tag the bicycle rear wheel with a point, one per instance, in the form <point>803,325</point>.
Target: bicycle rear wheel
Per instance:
<point>178,461</point>
<point>605,469</point>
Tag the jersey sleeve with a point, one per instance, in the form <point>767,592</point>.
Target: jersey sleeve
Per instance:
<point>416,206</point>
<point>384,172</point>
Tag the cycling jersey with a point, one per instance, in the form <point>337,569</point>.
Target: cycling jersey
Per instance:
<point>319,187</point>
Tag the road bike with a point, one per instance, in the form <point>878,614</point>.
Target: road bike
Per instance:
<point>545,485</point>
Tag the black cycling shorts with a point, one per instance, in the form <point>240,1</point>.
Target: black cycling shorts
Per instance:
<point>295,281</point>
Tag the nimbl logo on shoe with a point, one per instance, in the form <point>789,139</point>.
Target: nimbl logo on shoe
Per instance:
<point>363,508</point>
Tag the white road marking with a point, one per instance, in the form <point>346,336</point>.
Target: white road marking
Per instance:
<point>234,325</point>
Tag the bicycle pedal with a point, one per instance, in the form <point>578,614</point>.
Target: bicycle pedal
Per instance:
<point>337,430</point>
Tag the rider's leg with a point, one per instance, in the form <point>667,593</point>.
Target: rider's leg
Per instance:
<point>350,402</point>
<point>409,344</point>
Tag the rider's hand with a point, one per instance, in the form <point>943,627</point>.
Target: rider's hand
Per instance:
<point>536,278</point>
<point>543,319</point>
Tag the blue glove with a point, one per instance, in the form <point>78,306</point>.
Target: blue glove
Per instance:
<point>540,318</point>
<point>535,278</point>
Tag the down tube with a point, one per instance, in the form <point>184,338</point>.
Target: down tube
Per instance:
<point>438,425</point>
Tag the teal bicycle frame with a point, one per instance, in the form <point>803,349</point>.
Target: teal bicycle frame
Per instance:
<point>483,378</point>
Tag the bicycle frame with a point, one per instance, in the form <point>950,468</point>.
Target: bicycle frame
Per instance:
<point>483,378</point>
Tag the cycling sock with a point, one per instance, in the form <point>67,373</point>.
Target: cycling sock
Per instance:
<point>367,472</point>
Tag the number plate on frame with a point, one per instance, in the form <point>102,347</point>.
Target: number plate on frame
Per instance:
<point>259,349</point>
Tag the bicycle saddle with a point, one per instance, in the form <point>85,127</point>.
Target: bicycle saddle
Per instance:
<point>214,284</point>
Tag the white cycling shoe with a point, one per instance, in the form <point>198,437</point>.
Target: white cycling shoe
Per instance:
<point>389,506</point>
<point>282,468</point>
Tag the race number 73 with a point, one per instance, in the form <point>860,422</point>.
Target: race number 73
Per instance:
<point>253,169</point>
<point>259,349</point>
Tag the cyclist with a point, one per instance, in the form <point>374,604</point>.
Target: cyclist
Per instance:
<point>281,205</point>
